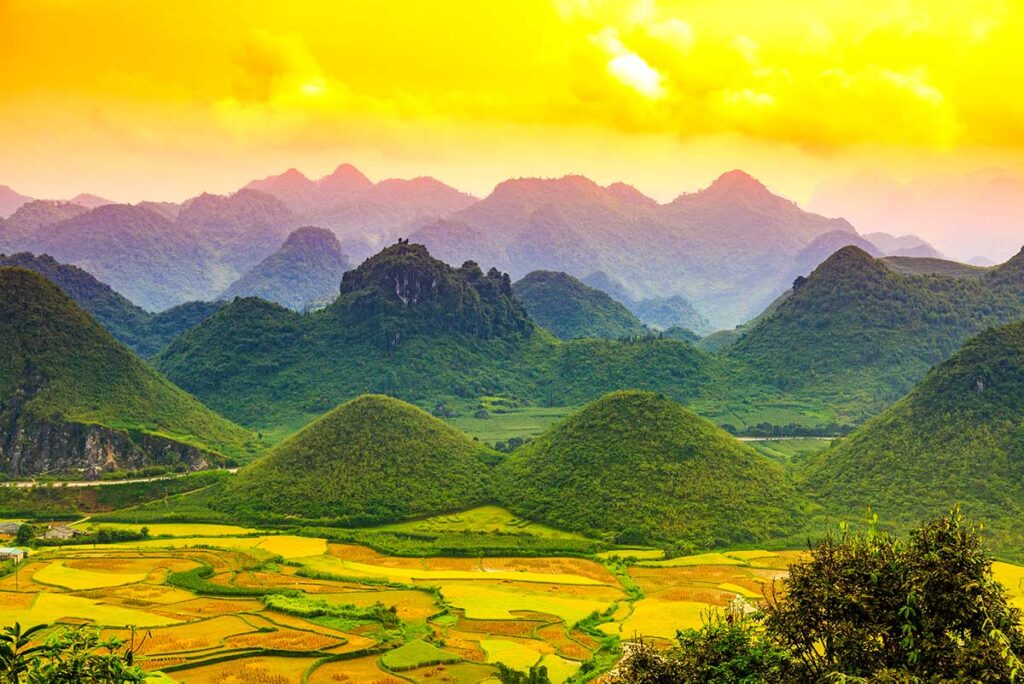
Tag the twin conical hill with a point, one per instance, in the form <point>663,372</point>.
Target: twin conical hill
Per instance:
<point>371,460</point>
<point>639,468</point>
<point>958,437</point>
<point>72,399</point>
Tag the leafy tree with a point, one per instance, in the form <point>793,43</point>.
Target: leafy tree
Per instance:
<point>535,675</point>
<point>726,649</point>
<point>72,656</point>
<point>926,608</point>
<point>866,607</point>
<point>16,651</point>
<point>24,535</point>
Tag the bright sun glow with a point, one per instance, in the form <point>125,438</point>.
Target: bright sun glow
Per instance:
<point>661,93</point>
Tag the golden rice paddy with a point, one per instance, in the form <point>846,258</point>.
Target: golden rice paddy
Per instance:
<point>458,616</point>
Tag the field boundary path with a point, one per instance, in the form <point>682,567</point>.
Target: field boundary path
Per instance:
<point>29,484</point>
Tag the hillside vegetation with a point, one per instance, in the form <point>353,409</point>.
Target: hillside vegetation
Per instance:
<point>638,468</point>
<point>571,310</point>
<point>958,437</point>
<point>859,334</point>
<point>371,460</point>
<point>410,326</point>
<point>58,366</point>
<point>143,332</point>
<point>306,269</point>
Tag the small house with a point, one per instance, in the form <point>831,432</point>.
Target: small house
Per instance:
<point>7,553</point>
<point>61,532</point>
<point>9,529</point>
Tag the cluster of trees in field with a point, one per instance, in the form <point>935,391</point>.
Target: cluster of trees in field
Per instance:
<point>308,607</point>
<point>789,430</point>
<point>866,607</point>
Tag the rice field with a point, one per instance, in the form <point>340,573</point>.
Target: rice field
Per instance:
<point>361,616</point>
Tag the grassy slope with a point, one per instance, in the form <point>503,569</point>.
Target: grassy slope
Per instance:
<point>957,437</point>
<point>81,374</point>
<point>571,310</point>
<point>639,468</point>
<point>371,460</point>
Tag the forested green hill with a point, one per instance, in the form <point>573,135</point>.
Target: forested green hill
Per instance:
<point>636,467</point>
<point>371,460</point>
<point>59,367</point>
<point>859,334</point>
<point>958,437</point>
<point>415,328</point>
<point>571,310</point>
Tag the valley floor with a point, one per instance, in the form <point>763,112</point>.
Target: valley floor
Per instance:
<point>218,604</point>
<point>202,598</point>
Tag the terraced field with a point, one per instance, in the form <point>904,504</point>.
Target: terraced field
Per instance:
<point>252,606</point>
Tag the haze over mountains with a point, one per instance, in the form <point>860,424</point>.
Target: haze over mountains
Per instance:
<point>710,259</point>
<point>969,215</point>
<point>304,272</point>
<point>846,341</point>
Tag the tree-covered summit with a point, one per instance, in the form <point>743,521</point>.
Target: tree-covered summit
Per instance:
<point>571,310</point>
<point>404,289</point>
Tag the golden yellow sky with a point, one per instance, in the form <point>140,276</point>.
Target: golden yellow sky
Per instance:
<point>137,99</point>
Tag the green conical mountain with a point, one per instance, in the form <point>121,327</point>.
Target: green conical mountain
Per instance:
<point>639,468</point>
<point>571,310</point>
<point>410,326</point>
<point>958,437</point>
<point>859,330</point>
<point>306,269</point>
<point>73,399</point>
<point>143,332</point>
<point>373,459</point>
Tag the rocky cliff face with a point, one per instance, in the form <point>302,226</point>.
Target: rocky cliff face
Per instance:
<point>406,290</point>
<point>87,451</point>
<point>54,447</point>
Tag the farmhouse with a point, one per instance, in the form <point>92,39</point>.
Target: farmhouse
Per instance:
<point>6,553</point>
<point>61,532</point>
<point>9,529</point>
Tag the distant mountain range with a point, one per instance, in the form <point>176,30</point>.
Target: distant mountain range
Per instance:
<point>11,201</point>
<point>156,257</point>
<point>364,215</point>
<point>729,249</point>
<point>967,214</point>
<point>707,260</point>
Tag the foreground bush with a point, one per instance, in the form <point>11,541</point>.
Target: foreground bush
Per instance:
<point>78,656</point>
<point>866,607</point>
